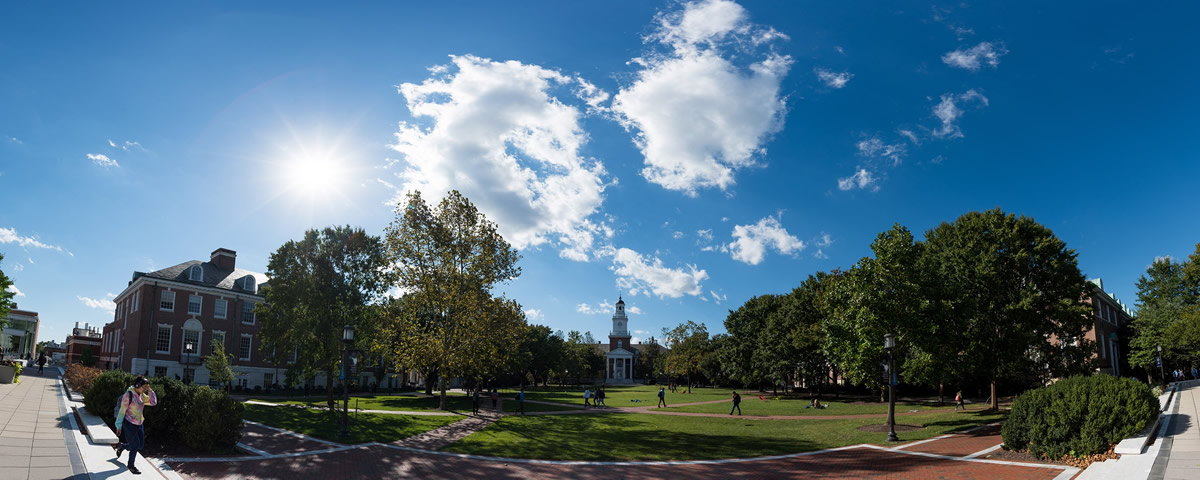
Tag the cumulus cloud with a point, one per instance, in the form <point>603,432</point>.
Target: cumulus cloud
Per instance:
<point>986,53</point>
<point>949,110</point>
<point>861,179</point>
<point>597,309</point>
<point>677,235</point>
<point>15,291</point>
<point>9,235</point>
<point>820,254</point>
<point>645,274</point>
<point>633,310</point>
<point>697,116</point>
<point>833,79</point>
<point>126,146</point>
<point>874,147</point>
<point>105,303</point>
<point>751,242</point>
<point>534,315</point>
<point>102,160</point>
<point>824,240</point>
<point>505,135</point>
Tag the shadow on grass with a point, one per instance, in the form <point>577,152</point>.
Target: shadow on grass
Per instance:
<point>364,427</point>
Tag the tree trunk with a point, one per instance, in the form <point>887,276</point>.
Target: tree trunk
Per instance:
<point>429,374</point>
<point>941,394</point>
<point>836,393</point>
<point>442,385</point>
<point>995,401</point>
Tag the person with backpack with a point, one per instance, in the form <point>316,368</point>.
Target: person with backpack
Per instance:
<point>600,398</point>
<point>130,416</point>
<point>521,400</point>
<point>662,397</point>
<point>958,401</point>
<point>495,397</point>
<point>475,402</point>
<point>737,404</point>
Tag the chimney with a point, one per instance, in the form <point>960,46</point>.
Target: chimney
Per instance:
<point>223,258</point>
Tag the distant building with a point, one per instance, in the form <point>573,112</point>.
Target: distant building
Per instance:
<point>20,336</point>
<point>85,338</point>
<point>1109,315</point>
<point>621,354</point>
<point>57,352</point>
<point>166,321</point>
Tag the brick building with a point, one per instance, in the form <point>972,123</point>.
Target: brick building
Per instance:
<point>83,339</point>
<point>166,321</point>
<point>1109,315</point>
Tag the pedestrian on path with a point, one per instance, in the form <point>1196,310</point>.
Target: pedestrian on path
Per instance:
<point>662,397</point>
<point>737,403</point>
<point>958,401</point>
<point>521,401</point>
<point>475,402</point>
<point>130,416</point>
<point>587,398</point>
<point>600,398</point>
<point>495,396</point>
<point>41,362</point>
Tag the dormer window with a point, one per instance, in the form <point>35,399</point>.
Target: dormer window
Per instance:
<point>248,283</point>
<point>196,273</point>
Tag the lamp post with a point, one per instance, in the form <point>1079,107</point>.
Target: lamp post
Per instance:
<point>348,338</point>
<point>889,344</point>
<point>1161,373</point>
<point>187,350</point>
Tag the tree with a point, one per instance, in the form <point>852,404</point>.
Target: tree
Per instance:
<point>650,358</point>
<point>6,296</point>
<point>1162,298</point>
<point>1191,278</point>
<point>217,363</point>
<point>795,334</point>
<point>688,343</point>
<point>319,284</point>
<point>86,358</point>
<point>1017,293</point>
<point>540,352</point>
<point>449,259</point>
<point>743,355</point>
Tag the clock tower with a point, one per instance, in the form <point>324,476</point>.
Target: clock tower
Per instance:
<point>621,354</point>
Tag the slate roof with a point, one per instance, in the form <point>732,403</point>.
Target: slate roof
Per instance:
<point>214,277</point>
<point>603,347</point>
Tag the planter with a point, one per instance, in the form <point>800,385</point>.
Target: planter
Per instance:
<point>7,373</point>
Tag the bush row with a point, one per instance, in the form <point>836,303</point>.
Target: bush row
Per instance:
<point>1079,416</point>
<point>80,378</point>
<point>205,419</point>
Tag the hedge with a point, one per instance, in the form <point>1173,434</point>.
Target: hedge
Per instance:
<point>80,378</point>
<point>1079,416</point>
<point>206,419</point>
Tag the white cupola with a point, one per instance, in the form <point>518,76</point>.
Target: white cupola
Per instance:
<point>620,326</point>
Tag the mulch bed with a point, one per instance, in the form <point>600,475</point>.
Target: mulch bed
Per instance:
<point>883,427</point>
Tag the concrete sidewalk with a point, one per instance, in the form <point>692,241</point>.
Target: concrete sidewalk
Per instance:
<point>1180,458</point>
<point>35,430</point>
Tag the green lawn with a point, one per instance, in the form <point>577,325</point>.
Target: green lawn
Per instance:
<point>671,437</point>
<point>624,396</point>
<point>368,427</point>
<point>456,403</point>
<point>751,405</point>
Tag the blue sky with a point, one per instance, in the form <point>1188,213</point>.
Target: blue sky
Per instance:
<point>687,156</point>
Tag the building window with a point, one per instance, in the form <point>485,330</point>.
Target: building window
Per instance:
<point>292,357</point>
<point>248,283</point>
<point>268,379</point>
<point>218,338</point>
<point>137,297</point>
<point>191,337</point>
<point>163,341</point>
<point>248,312</point>
<point>196,273</point>
<point>243,382</point>
<point>160,371</point>
<point>167,301</point>
<point>194,304</point>
<point>219,307</point>
<point>244,348</point>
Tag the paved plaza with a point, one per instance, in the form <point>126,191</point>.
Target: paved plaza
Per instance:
<point>35,430</point>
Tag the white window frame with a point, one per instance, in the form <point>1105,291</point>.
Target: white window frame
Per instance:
<point>160,373</point>
<point>292,356</point>
<point>199,342</point>
<point>137,297</point>
<point>268,379</point>
<point>158,334</point>
<point>249,340</point>
<point>248,283</point>
<point>162,301</point>
<point>199,305</point>
<point>249,312</point>
<point>196,273</point>
<point>220,308</point>
<point>212,343</point>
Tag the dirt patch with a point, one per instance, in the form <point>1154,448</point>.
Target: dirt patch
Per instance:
<point>883,427</point>
<point>1014,456</point>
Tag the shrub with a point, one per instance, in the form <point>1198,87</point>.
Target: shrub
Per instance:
<point>80,377</point>
<point>16,365</point>
<point>203,418</point>
<point>1079,416</point>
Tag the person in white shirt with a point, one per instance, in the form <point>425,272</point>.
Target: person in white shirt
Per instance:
<point>587,398</point>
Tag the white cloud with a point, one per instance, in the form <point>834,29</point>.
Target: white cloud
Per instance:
<point>127,146</point>
<point>824,240</point>
<point>705,234</point>
<point>839,49</point>
<point>677,235</point>
<point>820,254</point>
<point>1164,258</point>
<point>15,291</point>
<point>912,137</point>
<point>500,136</point>
<point>102,160</point>
<point>986,53</point>
<point>874,147</point>
<point>647,275</point>
<point>697,115</point>
<point>634,311</point>
<point>718,298</point>
<point>949,111</point>
<point>17,267</point>
<point>833,79</point>
<point>534,315</point>
<point>752,241</point>
<point>597,309</point>
<point>962,32</point>
<point>9,235</point>
<point>14,140</point>
<point>105,303</point>
<point>861,179</point>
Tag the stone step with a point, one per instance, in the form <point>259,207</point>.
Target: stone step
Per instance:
<point>96,429</point>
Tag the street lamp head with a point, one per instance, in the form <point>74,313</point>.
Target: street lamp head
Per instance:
<point>1160,349</point>
<point>348,333</point>
<point>889,341</point>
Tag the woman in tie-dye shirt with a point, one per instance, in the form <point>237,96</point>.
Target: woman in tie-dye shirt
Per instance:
<point>130,417</point>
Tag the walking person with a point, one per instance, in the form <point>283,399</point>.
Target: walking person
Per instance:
<point>41,362</point>
<point>130,416</point>
<point>600,398</point>
<point>475,402</point>
<point>521,401</point>
<point>662,397</point>
<point>958,401</point>
<point>587,398</point>
<point>737,403</point>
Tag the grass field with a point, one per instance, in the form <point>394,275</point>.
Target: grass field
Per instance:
<point>751,405</point>
<point>624,396</point>
<point>670,437</point>
<point>367,428</point>
<point>456,403</point>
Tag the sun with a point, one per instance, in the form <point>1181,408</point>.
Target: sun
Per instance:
<point>314,174</point>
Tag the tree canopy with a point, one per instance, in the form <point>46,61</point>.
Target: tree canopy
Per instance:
<point>6,296</point>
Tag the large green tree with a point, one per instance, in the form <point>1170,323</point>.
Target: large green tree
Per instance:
<point>743,355</point>
<point>449,259</point>
<point>319,284</point>
<point>1162,298</point>
<point>540,352</point>
<point>1017,293</point>
<point>795,335</point>
<point>689,344</point>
